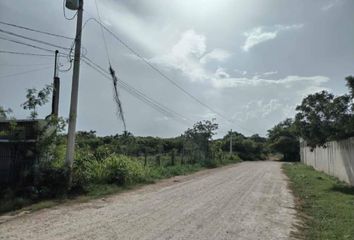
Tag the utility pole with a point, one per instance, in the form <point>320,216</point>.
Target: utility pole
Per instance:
<point>56,87</point>
<point>231,141</point>
<point>74,95</point>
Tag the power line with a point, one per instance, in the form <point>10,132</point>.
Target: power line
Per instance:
<point>35,54</point>
<point>35,30</point>
<point>33,39</point>
<point>26,44</point>
<point>163,75</point>
<point>138,94</point>
<point>102,32</point>
<point>27,54</point>
<point>25,65</point>
<point>156,69</point>
<point>141,96</point>
<point>22,73</point>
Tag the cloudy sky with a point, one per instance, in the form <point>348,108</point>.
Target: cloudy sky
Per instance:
<point>250,60</point>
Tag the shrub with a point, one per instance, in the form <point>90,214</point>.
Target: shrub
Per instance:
<point>117,169</point>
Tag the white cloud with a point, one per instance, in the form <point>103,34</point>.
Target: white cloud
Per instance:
<point>216,54</point>
<point>260,34</point>
<point>331,4</point>
<point>221,73</point>
<point>240,72</point>
<point>190,44</point>
<point>270,73</point>
<point>273,97</point>
<point>189,55</point>
<point>255,81</point>
<point>261,108</point>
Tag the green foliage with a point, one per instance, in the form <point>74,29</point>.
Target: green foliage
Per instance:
<point>117,169</point>
<point>283,139</point>
<point>36,98</point>
<point>4,113</point>
<point>198,140</point>
<point>323,117</point>
<point>326,205</point>
<point>247,148</point>
<point>350,85</point>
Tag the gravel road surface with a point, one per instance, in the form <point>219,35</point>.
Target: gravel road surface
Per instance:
<point>249,200</point>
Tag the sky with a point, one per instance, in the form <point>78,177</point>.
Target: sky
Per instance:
<point>250,61</point>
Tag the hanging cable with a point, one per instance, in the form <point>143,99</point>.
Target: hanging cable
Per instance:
<point>33,39</point>
<point>25,65</point>
<point>113,75</point>
<point>155,68</point>
<point>116,97</point>
<point>30,45</point>
<point>35,30</point>
<point>138,94</point>
<point>103,36</point>
<point>21,73</point>
<point>26,54</point>
<point>64,13</point>
<point>164,76</point>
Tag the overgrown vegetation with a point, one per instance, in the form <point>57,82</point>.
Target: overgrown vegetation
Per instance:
<point>320,118</point>
<point>282,138</point>
<point>120,160</point>
<point>323,117</point>
<point>326,205</point>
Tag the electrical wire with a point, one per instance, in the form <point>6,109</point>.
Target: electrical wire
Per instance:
<point>102,32</point>
<point>26,54</point>
<point>68,69</point>
<point>163,75</point>
<point>160,72</point>
<point>141,96</point>
<point>24,65</point>
<point>35,30</point>
<point>138,94</point>
<point>29,45</point>
<point>64,13</point>
<point>33,39</point>
<point>22,73</point>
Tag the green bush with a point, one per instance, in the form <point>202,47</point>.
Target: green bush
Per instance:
<point>117,169</point>
<point>50,182</point>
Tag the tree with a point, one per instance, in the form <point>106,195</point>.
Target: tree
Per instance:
<point>36,98</point>
<point>350,85</point>
<point>199,138</point>
<point>282,138</point>
<point>323,117</point>
<point>4,113</point>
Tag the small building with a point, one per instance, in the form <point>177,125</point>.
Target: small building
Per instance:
<point>18,149</point>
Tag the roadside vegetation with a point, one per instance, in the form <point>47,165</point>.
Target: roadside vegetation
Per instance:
<point>104,165</point>
<point>325,205</point>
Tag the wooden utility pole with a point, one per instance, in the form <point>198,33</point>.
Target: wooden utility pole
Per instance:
<point>74,96</point>
<point>231,141</point>
<point>56,87</point>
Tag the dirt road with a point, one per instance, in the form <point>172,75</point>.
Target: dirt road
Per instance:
<point>244,201</point>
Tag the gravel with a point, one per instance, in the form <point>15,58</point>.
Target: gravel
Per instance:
<point>249,200</point>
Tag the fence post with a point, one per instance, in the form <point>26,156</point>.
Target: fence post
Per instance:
<point>145,158</point>
<point>158,160</point>
<point>173,157</point>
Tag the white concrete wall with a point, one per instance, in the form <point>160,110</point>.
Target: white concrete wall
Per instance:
<point>337,159</point>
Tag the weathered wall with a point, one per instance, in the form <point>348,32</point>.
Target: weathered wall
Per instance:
<point>337,159</point>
